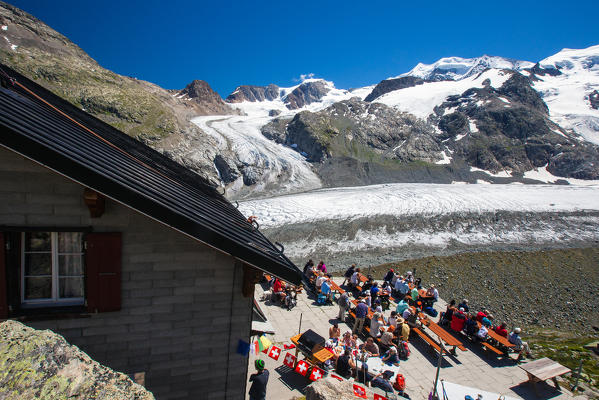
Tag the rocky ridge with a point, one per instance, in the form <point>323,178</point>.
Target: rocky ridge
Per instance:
<point>253,93</point>
<point>41,364</point>
<point>207,100</point>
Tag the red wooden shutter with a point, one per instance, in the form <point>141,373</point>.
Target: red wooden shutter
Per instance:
<point>3,287</point>
<point>103,271</point>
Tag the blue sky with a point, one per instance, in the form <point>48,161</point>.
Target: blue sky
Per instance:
<point>349,42</point>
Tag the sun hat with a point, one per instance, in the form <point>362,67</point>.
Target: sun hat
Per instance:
<point>517,330</point>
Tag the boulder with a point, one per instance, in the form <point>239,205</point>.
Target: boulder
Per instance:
<point>332,389</point>
<point>42,364</point>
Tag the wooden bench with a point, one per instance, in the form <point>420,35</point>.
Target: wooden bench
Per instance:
<point>493,349</point>
<point>427,339</point>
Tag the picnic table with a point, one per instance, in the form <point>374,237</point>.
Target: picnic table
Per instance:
<point>502,340</point>
<point>449,339</point>
<point>335,288</point>
<point>543,369</point>
<point>319,356</point>
<point>377,366</point>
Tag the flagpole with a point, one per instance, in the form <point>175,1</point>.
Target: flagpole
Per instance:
<point>435,397</point>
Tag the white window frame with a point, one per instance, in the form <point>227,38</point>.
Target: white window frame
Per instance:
<point>55,300</point>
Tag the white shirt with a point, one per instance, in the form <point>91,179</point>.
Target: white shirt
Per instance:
<point>393,321</point>
<point>319,280</point>
<point>354,279</point>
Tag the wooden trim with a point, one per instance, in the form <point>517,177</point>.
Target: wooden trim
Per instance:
<point>251,276</point>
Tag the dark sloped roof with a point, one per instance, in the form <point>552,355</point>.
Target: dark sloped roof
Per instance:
<point>101,157</point>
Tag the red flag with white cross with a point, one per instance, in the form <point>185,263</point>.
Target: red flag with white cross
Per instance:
<point>302,368</point>
<point>316,374</point>
<point>274,353</point>
<point>289,360</point>
<point>359,391</point>
<point>379,397</point>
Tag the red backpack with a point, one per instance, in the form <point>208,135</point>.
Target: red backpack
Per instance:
<point>400,383</point>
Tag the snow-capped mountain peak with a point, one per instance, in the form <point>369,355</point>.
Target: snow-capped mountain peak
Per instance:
<point>456,68</point>
<point>573,59</point>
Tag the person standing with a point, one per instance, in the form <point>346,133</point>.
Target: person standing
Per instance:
<point>361,313</point>
<point>259,381</point>
<point>343,303</point>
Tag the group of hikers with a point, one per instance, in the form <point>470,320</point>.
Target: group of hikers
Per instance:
<point>387,336</point>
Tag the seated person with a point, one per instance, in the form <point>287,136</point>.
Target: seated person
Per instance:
<point>487,321</point>
<point>375,324</point>
<point>381,381</point>
<point>471,327</point>
<point>374,291</point>
<point>464,305</point>
<point>290,298</point>
<point>414,294</point>
<point>405,329</point>
<point>308,268</point>
<point>433,292</point>
<point>346,340</point>
<point>445,318</point>
<point>391,356</point>
<point>377,306</point>
<point>387,337</point>
<point>368,299</point>
<point>321,267</point>
<point>345,365</point>
<point>321,278</point>
<point>348,274</point>
<point>401,286</point>
<point>279,289</point>
<point>371,348</point>
<point>325,288</point>
<point>334,333</point>
<point>355,278</point>
<point>501,330</point>
<point>401,306</point>
<point>481,314</point>
<point>392,319</point>
<point>458,320</point>
<point>521,347</point>
<point>482,333</point>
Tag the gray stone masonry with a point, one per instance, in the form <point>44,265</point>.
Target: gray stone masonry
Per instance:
<point>182,309</point>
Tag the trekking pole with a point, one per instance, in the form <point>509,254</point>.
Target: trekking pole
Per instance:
<point>300,323</point>
<point>578,372</point>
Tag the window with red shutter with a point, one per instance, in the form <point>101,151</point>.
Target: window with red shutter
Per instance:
<point>103,271</point>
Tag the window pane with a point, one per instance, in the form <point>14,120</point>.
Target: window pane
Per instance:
<point>38,288</point>
<point>38,264</point>
<point>37,241</point>
<point>70,287</point>
<point>69,242</point>
<point>70,265</point>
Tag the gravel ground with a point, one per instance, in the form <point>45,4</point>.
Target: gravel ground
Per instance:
<point>546,289</point>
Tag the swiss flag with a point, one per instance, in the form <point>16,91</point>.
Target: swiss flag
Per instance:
<point>274,353</point>
<point>302,368</point>
<point>337,377</point>
<point>288,346</point>
<point>316,374</point>
<point>359,391</point>
<point>289,360</point>
<point>379,397</point>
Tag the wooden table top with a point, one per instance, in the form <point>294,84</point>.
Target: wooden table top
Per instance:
<point>334,286</point>
<point>321,355</point>
<point>442,333</point>
<point>501,339</point>
<point>544,368</point>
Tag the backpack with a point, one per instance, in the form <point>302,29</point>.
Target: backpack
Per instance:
<point>403,351</point>
<point>343,301</point>
<point>400,383</point>
<point>430,311</point>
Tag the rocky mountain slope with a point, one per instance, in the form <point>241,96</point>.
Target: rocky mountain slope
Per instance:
<point>42,365</point>
<point>453,120</point>
<point>139,108</point>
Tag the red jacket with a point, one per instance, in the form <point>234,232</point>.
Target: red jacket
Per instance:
<point>501,331</point>
<point>480,316</point>
<point>457,321</point>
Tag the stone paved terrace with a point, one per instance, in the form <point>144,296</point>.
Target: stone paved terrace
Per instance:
<point>473,368</point>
